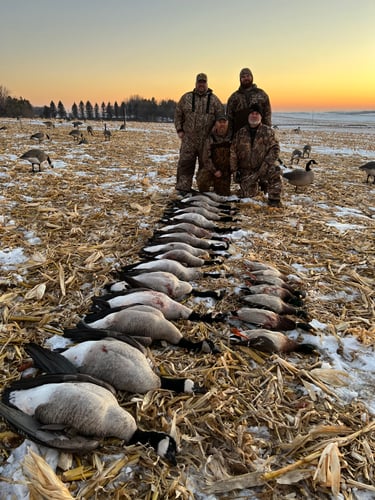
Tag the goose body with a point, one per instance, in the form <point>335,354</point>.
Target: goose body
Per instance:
<point>270,341</point>
<point>267,319</point>
<point>194,218</point>
<point>192,240</point>
<point>184,257</point>
<point>171,309</point>
<point>161,281</point>
<point>89,409</point>
<point>306,151</point>
<point>254,265</point>
<point>299,177</point>
<point>277,291</point>
<point>296,155</point>
<point>39,136</point>
<point>369,168</point>
<point>139,320</point>
<point>187,227</point>
<point>272,280</point>
<point>273,303</point>
<point>176,245</point>
<point>76,134</point>
<point>122,365</point>
<point>36,157</point>
<point>208,214</point>
<point>169,265</point>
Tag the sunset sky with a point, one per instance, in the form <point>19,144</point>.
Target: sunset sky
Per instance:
<point>306,54</point>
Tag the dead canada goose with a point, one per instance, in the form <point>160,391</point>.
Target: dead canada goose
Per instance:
<point>33,429</point>
<point>208,214</point>
<point>267,319</point>
<point>119,363</point>
<point>278,291</point>
<point>306,151</point>
<point>186,258</point>
<point>190,239</point>
<point>169,265</point>
<point>39,136</point>
<point>171,309</point>
<point>369,168</point>
<point>269,341</point>
<point>299,177</point>
<point>175,245</point>
<point>197,219</point>
<point>146,324</point>
<point>274,304</point>
<point>36,157</point>
<point>89,409</point>
<point>187,227</point>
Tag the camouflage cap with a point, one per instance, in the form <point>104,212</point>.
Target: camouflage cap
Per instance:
<point>222,117</point>
<point>245,71</point>
<point>255,107</point>
<point>201,77</point>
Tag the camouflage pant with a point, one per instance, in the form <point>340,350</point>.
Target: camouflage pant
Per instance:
<point>190,151</point>
<point>269,181</point>
<point>206,179</point>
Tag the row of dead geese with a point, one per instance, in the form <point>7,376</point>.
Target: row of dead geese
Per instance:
<point>77,387</point>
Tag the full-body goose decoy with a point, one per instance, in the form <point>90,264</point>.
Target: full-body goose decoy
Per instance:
<point>107,133</point>
<point>369,168</point>
<point>39,136</point>
<point>139,321</point>
<point>299,177</point>
<point>121,364</point>
<point>76,134</point>
<point>36,157</point>
<point>89,409</point>
<point>269,341</point>
<point>296,155</point>
<point>306,151</point>
<point>267,319</point>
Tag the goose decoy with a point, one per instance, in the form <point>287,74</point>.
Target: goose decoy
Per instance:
<point>107,133</point>
<point>122,364</point>
<point>90,130</point>
<point>36,157</point>
<point>76,134</point>
<point>299,177</point>
<point>171,309</point>
<point>267,319</point>
<point>145,326</point>
<point>89,409</point>
<point>39,136</point>
<point>83,140</point>
<point>77,124</point>
<point>369,168</point>
<point>306,151</point>
<point>269,341</point>
<point>49,124</point>
<point>274,304</point>
<point>296,155</point>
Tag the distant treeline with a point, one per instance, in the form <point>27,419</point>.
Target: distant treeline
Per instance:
<point>136,108</point>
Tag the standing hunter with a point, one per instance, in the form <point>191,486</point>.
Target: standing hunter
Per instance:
<point>241,100</point>
<point>195,115</point>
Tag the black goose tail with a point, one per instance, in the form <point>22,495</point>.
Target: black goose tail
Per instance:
<point>49,361</point>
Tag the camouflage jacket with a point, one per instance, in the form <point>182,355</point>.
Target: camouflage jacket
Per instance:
<point>196,114</point>
<point>239,103</point>
<point>257,158</point>
<point>216,153</point>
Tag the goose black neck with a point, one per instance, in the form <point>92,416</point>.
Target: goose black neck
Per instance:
<point>173,384</point>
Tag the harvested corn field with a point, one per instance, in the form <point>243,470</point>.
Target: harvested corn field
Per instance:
<point>270,425</point>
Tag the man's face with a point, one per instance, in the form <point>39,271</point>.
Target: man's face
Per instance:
<point>201,86</point>
<point>254,119</point>
<point>221,127</point>
<point>246,80</point>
